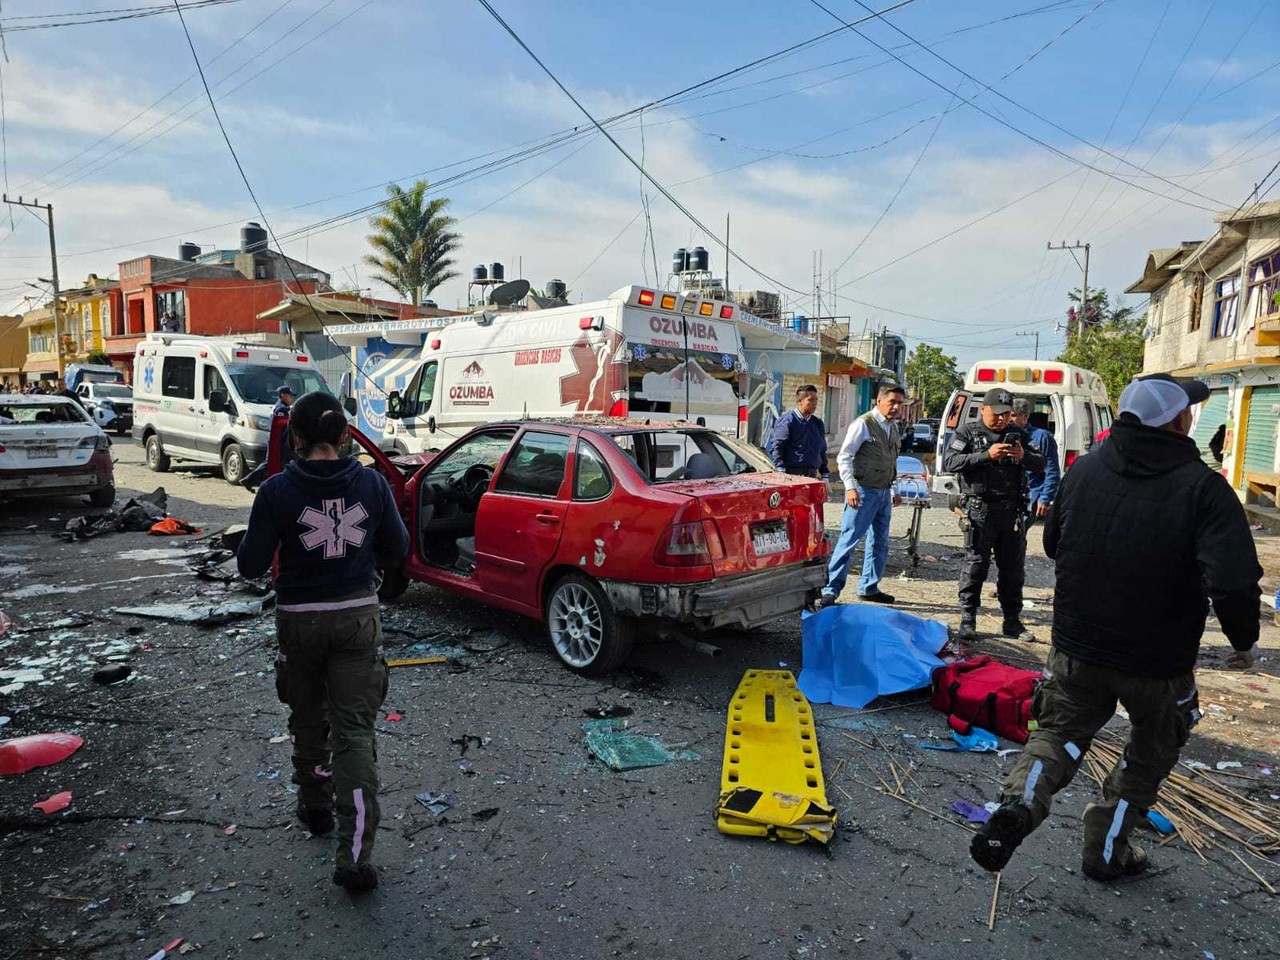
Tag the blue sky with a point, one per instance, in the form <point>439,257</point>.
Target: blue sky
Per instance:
<point>805,153</point>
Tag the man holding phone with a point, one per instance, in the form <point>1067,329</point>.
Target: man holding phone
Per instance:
<point>992,457</point>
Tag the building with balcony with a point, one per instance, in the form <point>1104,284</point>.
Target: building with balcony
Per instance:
<point>1214,315</point>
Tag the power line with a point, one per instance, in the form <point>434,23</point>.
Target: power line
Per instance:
<point>621,149</point>
<point>1007,124</point>
<point>243,176</point>
<point>225,50</point>
<point>102,16</point>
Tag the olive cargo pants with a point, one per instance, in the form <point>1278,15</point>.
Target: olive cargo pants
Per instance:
<point>331,673</point>
<point>1072,704</point>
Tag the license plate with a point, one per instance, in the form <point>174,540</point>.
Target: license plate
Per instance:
<point>771,539</point>
<point>42,452</point>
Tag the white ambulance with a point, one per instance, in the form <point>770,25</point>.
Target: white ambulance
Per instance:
<point>209,400</point>
<point>1070,402</point>
<point>641,352</point>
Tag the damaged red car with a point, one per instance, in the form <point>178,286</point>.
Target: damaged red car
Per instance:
<point>593,527</point>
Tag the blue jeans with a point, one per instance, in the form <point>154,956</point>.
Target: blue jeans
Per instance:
<point>872,520</point>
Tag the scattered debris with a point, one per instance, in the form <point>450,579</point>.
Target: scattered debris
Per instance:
<point>280,738</point>
<point>395,717</point>
<point>464,742</point>
<point>39,750</point>
<point>603,711</point>
<point>1229,764</point>
<point>169,947</point>
<point>973,812</point>
<point>1204,811</point>
<point>201,614</point>
<point>609,742</point>
<point>112,674</point>
<point>416,662</point>
<point>1163,824</point>
<point>171,527</point>
<point>183,898</point>
<point>488,813</point>
<point>59,801</point>
<point>437,803</point>
<point>977,741</point>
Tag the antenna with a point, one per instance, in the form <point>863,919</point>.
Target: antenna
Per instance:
<point>504,295</point>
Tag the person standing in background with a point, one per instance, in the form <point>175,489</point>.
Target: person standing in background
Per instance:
<point>799,442</point>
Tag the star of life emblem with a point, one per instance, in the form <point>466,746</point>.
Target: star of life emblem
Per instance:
<point>335,527</point>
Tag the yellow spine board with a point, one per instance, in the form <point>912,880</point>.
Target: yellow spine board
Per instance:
<point>771,783</point>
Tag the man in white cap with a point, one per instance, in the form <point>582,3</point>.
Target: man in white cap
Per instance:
<point>1144,536</point>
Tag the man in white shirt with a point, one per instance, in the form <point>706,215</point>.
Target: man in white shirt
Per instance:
<point>868,464</point>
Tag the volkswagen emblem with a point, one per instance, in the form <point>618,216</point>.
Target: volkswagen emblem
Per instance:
<point>775,499</point>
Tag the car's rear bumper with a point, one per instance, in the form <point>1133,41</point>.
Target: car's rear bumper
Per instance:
<point>68,480</point>
<point>744,601</point>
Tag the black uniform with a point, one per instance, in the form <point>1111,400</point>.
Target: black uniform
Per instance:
<point>995,498</point>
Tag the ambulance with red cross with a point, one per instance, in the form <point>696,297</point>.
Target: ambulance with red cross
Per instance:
<point>641,353</point>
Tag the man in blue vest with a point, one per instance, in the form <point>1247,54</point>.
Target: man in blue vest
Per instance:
<point>868,464</point>
<point>799,442</point>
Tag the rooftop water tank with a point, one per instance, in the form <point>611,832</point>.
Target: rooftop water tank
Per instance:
<point>253,239</point>
<point>479,273</point>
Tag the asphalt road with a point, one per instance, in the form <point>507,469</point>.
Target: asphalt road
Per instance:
<point>180,792</point>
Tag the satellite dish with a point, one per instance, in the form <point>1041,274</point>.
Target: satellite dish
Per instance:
<point>505,294</point>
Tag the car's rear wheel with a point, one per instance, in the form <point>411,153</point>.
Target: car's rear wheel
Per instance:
<point>394,583</point>
<point>157,459</point>
<point>103,496</point>
<point>586,633</point>
<point>233,464</point>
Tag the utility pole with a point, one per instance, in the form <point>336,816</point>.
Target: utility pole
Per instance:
<point>1036,334</point>
<point>1084,287</point>
<point>53,256</point>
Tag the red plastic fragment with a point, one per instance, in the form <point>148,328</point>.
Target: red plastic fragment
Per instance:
<point>41,750</point>
<point>59,801</point>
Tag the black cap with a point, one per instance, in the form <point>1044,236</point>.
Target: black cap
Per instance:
<point>998,399</point>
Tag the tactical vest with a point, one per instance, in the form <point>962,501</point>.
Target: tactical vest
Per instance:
<point>875,465</point>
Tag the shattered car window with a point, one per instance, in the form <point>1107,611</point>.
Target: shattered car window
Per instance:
<point>666,456</point>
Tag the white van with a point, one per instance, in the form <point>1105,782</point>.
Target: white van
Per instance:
<point>1070,402</point>
<point>641,352</point>
<point>209,400</point>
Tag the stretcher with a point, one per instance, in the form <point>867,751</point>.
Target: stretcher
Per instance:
<point>771,781</point>
<point>912,486</point>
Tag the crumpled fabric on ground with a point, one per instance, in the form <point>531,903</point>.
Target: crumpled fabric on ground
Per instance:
<point>790,818</point>
<point>854,653</point>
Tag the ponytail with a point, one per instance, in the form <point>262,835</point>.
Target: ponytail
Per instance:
<point>317,418</point>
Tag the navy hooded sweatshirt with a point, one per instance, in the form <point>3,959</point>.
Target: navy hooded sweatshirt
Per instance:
<point>333,521</point>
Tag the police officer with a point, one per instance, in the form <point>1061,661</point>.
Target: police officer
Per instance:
<point>992,458</point>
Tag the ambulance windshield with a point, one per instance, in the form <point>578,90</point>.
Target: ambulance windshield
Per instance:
<point>258,383</point>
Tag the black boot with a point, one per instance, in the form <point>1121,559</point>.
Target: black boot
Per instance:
<point>319,822</point>
<point>968,626</point>
<point>359,879</point>
<point>994,844</point>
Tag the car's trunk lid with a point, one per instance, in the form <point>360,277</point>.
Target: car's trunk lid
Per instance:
<point>37,446</point>
<point>763,521</point>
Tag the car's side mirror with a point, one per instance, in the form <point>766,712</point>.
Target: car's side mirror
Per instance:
<point>218,401</point>
<point>349,405</point>
<point>395,405</point>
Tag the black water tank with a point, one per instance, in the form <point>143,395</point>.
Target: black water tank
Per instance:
<point>188,251</point>
<point>680,261</point>
<point>699,259</point>
<point>557,290</point>
<point>253,239</point>
<point>497,272</point>
<point>428,303</point>
<point>479,272</point>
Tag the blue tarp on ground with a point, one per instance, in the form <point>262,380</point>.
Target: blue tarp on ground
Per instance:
<point>854,653</point>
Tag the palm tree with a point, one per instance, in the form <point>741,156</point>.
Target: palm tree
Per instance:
<point>412,241</point>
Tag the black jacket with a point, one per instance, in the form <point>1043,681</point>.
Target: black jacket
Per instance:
<point>334,522</point>
<point>994,480</point>
<point>1144,535</point>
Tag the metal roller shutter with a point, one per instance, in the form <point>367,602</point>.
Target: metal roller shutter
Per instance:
<point>1212,414</point>
<point>1260,435</point>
